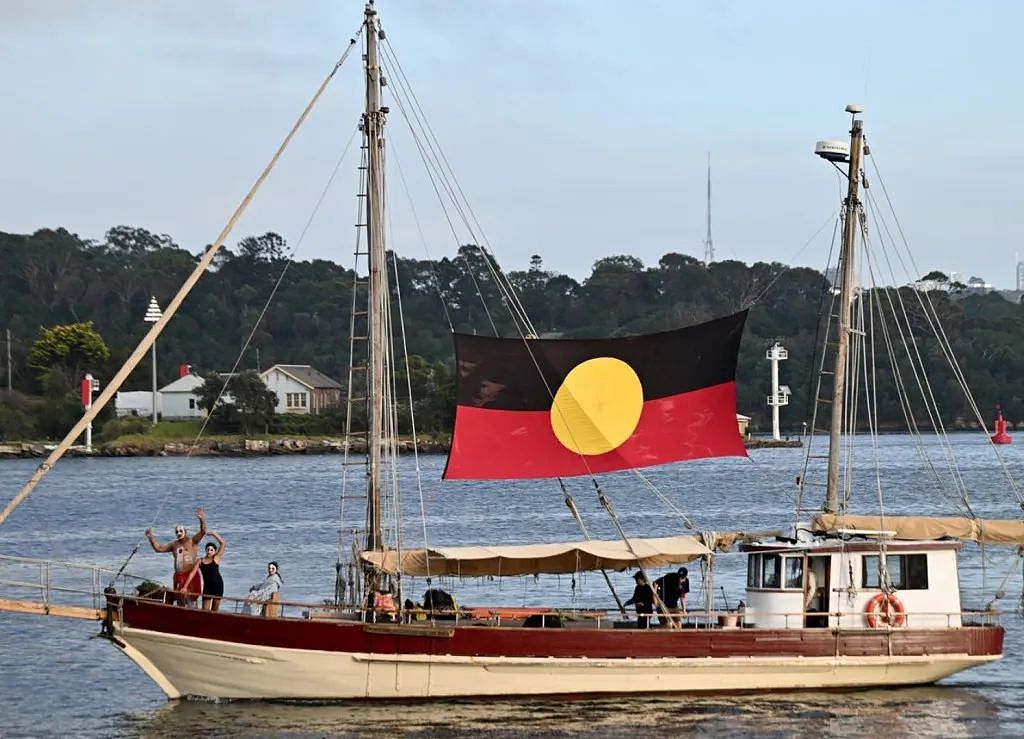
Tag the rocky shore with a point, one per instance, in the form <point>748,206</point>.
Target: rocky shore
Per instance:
<point>758,443</point>
<point>211,448</point>
<point>215,447</point>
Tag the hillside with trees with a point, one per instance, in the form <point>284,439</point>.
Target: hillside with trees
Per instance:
<point>54,278</point>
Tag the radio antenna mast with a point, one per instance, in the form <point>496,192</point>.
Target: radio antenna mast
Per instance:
<point>709,247</point>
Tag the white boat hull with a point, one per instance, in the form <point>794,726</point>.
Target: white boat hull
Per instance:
<point>191,666</point>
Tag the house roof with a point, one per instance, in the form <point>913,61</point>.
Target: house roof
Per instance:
<point>305,375</point>
<point>185,384</point>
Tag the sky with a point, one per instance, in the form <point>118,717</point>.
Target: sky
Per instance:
<point>578,129</point>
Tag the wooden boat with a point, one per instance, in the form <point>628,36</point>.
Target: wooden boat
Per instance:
<point>840,602</point>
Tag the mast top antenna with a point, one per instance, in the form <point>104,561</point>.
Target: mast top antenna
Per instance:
<point>854,109</point>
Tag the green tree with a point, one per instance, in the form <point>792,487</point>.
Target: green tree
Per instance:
<point>69,349</point>
<point>269,247</point>
<point>133,240</point>
<point>433,395</point>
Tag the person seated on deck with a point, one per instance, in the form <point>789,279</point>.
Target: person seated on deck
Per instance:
<point>414,611</point>
<point>261,596</point>
<point>384,608</point>
<point>643,600</point>
<point>440,605</point>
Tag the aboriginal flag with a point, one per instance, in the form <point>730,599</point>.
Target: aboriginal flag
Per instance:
<point>563,407</point>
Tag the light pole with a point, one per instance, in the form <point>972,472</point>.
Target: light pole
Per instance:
<point>153,314</point>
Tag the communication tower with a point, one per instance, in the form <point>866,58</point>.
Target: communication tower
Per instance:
<point>709,247</point>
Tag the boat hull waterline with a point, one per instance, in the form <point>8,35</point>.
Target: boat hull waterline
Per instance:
<point>375,661</point>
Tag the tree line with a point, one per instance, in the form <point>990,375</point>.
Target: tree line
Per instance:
<point>52,278</point>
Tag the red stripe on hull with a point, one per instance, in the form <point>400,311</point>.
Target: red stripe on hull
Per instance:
<point>504,641</point>
<point>499,444</point>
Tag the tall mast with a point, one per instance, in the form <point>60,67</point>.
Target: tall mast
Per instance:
<point>709,248</point>
<point>373,132</point>
<point>851,208</point>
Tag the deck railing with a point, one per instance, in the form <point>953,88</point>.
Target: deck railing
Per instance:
<point>70,589</point>
<point>57,587</point>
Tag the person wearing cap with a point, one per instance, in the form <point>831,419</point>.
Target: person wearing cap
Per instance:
<point>183,547</point>
<point>643,600</point>
<point>672,588</point>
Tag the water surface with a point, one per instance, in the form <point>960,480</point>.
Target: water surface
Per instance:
<point>57,678</point>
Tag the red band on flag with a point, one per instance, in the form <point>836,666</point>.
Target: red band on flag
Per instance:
<point>505,444</point>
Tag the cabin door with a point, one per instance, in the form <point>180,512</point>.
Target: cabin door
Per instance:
<point>816,591</point>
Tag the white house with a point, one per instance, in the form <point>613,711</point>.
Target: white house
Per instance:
<point>136,403</point>
<point>179,401</point>
<point>301,389</point>
<point>174,400</point>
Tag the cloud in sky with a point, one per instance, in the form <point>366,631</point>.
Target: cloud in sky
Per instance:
<point>577,129</point>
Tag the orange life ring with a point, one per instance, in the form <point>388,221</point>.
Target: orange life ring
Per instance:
<point>885,609</point>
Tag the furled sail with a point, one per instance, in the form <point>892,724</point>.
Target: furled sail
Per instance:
<point>529,408</point>
<point>531,559</point>
<point>988,531</point>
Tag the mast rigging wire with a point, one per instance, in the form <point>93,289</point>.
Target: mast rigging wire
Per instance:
<point>136,356</point>
<point>945,343</point>
<point>293,250</point>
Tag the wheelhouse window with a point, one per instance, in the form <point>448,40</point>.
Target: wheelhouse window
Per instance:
<point>771,571</point>
<point>906,571</point>
<point>775,572</point>
<point>754,571</point>
<point>795,572</point>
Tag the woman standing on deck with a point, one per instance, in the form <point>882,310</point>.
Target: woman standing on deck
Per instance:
<point>209,566</point>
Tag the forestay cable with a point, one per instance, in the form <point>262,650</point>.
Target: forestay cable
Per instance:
<point>157,328</point>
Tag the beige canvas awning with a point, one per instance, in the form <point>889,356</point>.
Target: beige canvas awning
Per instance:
<point>988,531</point>
<point>723,541</point>
<point>530,559</point>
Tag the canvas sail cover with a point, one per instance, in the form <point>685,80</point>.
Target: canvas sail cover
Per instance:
<point>531,559</point>
<point>987,531</point>
<point>532,408</point>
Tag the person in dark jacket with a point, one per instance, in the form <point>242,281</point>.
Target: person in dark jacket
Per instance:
<point>643,600</point>
<point>670,588</point>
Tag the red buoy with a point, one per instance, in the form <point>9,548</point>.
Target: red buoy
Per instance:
<point>1000,436</point>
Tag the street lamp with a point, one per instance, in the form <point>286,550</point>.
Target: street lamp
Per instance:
<point>153,314</point>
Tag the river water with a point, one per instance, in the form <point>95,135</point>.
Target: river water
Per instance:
<point>56,677</point>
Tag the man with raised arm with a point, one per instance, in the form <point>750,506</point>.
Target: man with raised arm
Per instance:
<point>183,547</point>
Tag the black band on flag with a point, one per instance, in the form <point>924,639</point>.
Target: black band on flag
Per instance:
<point>562,407</point>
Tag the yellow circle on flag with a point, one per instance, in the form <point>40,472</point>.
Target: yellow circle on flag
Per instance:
<point>597,406</point>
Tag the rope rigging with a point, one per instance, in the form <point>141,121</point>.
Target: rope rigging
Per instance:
<point>107,394</point>
<point>888,323</point>
<point>449,192</point>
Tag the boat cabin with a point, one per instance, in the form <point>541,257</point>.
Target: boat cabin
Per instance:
<point>839,582</point>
